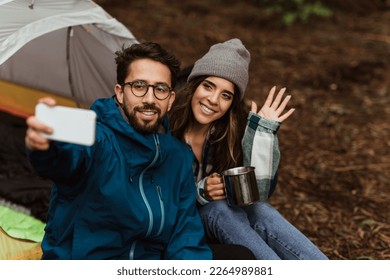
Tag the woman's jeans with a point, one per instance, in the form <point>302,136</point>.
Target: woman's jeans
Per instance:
<point>260,228</point>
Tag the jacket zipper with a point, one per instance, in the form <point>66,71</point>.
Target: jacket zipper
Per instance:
<point>141,188</point>
<point>162,211</point>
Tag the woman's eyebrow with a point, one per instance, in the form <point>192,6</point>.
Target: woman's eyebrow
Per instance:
<point>211,83</point>
<point>214,86</point>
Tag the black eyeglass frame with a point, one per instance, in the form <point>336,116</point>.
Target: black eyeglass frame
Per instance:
<point>147,89</point>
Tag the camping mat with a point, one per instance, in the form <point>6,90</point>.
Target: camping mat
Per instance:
<point>18,249</point>
<point>19,225</point>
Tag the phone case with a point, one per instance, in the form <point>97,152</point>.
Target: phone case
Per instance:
<point>72,125</point>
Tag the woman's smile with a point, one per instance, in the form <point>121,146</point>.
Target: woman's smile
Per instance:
<point>206,109</point>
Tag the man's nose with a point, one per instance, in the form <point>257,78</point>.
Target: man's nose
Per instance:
<point>149,96</point>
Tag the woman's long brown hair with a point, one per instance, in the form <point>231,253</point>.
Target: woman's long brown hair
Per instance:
<point>227,131</point>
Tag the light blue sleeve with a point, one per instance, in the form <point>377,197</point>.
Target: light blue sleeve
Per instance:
<point>200,195</point>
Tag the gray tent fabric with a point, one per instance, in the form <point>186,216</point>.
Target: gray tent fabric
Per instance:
<point>65,47</point>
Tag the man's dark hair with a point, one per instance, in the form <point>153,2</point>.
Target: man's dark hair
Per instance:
<point>145,50</point>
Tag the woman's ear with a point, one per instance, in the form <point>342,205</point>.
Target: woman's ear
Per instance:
<point>119,93</point>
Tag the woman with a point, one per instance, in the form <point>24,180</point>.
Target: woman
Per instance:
<point>209,116</point>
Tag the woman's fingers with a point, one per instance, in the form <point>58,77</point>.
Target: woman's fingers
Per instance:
<point>286,115</point>
<point>217,195</point>
<point>282,106</point>
<point>273,109</point>
<point>278,99</point>
<point>270,97</point>
<point>253,107</point>
<point>214,187</point>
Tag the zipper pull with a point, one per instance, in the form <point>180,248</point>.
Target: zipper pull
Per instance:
<point>159,192</point>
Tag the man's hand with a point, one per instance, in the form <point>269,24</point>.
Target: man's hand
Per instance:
<point>34,140</point>
<point>273,109</point>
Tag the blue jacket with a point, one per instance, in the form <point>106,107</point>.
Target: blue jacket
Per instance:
<point>129,196</point>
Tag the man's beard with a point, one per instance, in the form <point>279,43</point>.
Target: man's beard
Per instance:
<point>141,126</point>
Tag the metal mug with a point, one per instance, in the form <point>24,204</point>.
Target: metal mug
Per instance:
<point>241,186</point>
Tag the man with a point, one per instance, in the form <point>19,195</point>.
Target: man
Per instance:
<point>131,195</point>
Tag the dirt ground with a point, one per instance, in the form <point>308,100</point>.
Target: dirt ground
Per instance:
<point>334,177</point>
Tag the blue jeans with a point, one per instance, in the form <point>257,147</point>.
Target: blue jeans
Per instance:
<point>259,227</point>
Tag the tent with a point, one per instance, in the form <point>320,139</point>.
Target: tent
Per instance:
<point>60,47</point>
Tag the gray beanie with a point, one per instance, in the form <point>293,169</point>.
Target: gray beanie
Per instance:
<point>228,60</point>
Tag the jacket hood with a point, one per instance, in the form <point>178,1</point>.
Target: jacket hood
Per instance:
<point>109,116</point>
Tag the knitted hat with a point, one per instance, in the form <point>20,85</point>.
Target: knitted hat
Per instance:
<point>228,60</point>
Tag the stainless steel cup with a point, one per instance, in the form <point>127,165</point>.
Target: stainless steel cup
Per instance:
<point>240,186</point>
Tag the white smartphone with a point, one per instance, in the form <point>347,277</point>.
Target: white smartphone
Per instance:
<point>72,125</point>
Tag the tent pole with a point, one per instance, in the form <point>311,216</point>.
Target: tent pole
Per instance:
<point>72,90</point>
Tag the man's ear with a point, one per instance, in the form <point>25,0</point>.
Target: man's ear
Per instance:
<point>171,100</point>
<point>119,93</point>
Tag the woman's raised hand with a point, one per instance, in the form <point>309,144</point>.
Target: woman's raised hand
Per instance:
<point>273,108</point>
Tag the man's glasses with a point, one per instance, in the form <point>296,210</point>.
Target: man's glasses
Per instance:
<point>139,88</point>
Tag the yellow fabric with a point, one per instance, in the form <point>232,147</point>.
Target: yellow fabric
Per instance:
<point>21,100</point>
<point>18,249</point>
<point>20,235</point>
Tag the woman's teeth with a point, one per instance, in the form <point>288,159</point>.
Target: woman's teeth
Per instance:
<point>206,109</point>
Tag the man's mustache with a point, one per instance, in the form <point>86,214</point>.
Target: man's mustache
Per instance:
<point>148,107</point>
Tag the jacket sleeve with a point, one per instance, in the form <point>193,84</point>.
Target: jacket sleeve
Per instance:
<point>62,162</point>
<point>187,241</point>
<point>261,150</point>
<point>201,197</point>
